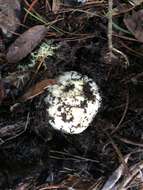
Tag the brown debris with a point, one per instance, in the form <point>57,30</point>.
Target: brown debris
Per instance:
<point>37,89</point>
<point>122,8</point>
<point>56,5</point>
<point>10,131</point>
<point>134,24</point>
<point>2,92</point>
<point>24,44</point>
<point>32,154</point>
<point>9,21</point>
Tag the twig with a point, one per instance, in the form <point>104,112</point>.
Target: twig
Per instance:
<point>123,55</point>
<point>110,22</point>
<point>123,116</point>
<point>53,187</point>
<point>110,33</point>
<point>73,156</point>
<point>135,173</point>
<point>127,141</point>
<point>29,9</point>
<point>121,158</point>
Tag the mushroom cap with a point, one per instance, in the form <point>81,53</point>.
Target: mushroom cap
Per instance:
<point>72,103</point>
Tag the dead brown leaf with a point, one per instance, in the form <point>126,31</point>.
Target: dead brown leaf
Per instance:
<point>122,8</point>
<point>24,44</point>
<point>134,24</point>
<point>78,183</point>
<point>37,89</point>
<point>74,182</point>
<point>56,5</point>
<point>9,21</point>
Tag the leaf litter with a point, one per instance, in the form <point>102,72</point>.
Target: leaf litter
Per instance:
<point>9,16</point>
<point>134,24</point>
<point>34,156</point>
<point>24,44</point>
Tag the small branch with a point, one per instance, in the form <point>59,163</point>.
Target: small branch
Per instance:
<point>110,22</point>
<point>110,33</point>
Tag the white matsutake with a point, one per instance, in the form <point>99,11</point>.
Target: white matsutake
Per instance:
<point>72,103</point>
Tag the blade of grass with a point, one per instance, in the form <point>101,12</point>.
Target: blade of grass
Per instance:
<point>117,27</point>
<point>48,24</point>
<point>29,9</point>
<point>38,17</point>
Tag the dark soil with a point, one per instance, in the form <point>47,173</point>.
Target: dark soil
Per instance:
<point>33,153</point>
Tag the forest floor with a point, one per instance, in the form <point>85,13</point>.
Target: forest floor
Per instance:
<point>95,38</point>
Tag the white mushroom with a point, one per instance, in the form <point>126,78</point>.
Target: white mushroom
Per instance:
<point>72,103</point>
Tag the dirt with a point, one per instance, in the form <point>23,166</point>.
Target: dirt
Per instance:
<point>33,153</point>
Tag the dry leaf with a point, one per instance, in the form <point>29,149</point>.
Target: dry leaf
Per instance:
<point>24,44</point>
<point>114,178</point>
<point>122,8</point>
<point>134,24</point>
<point>131,178</point>
<point>77,183</point>
<point>56,5</point>
<point>37,89</point>
<point>9,12</point>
